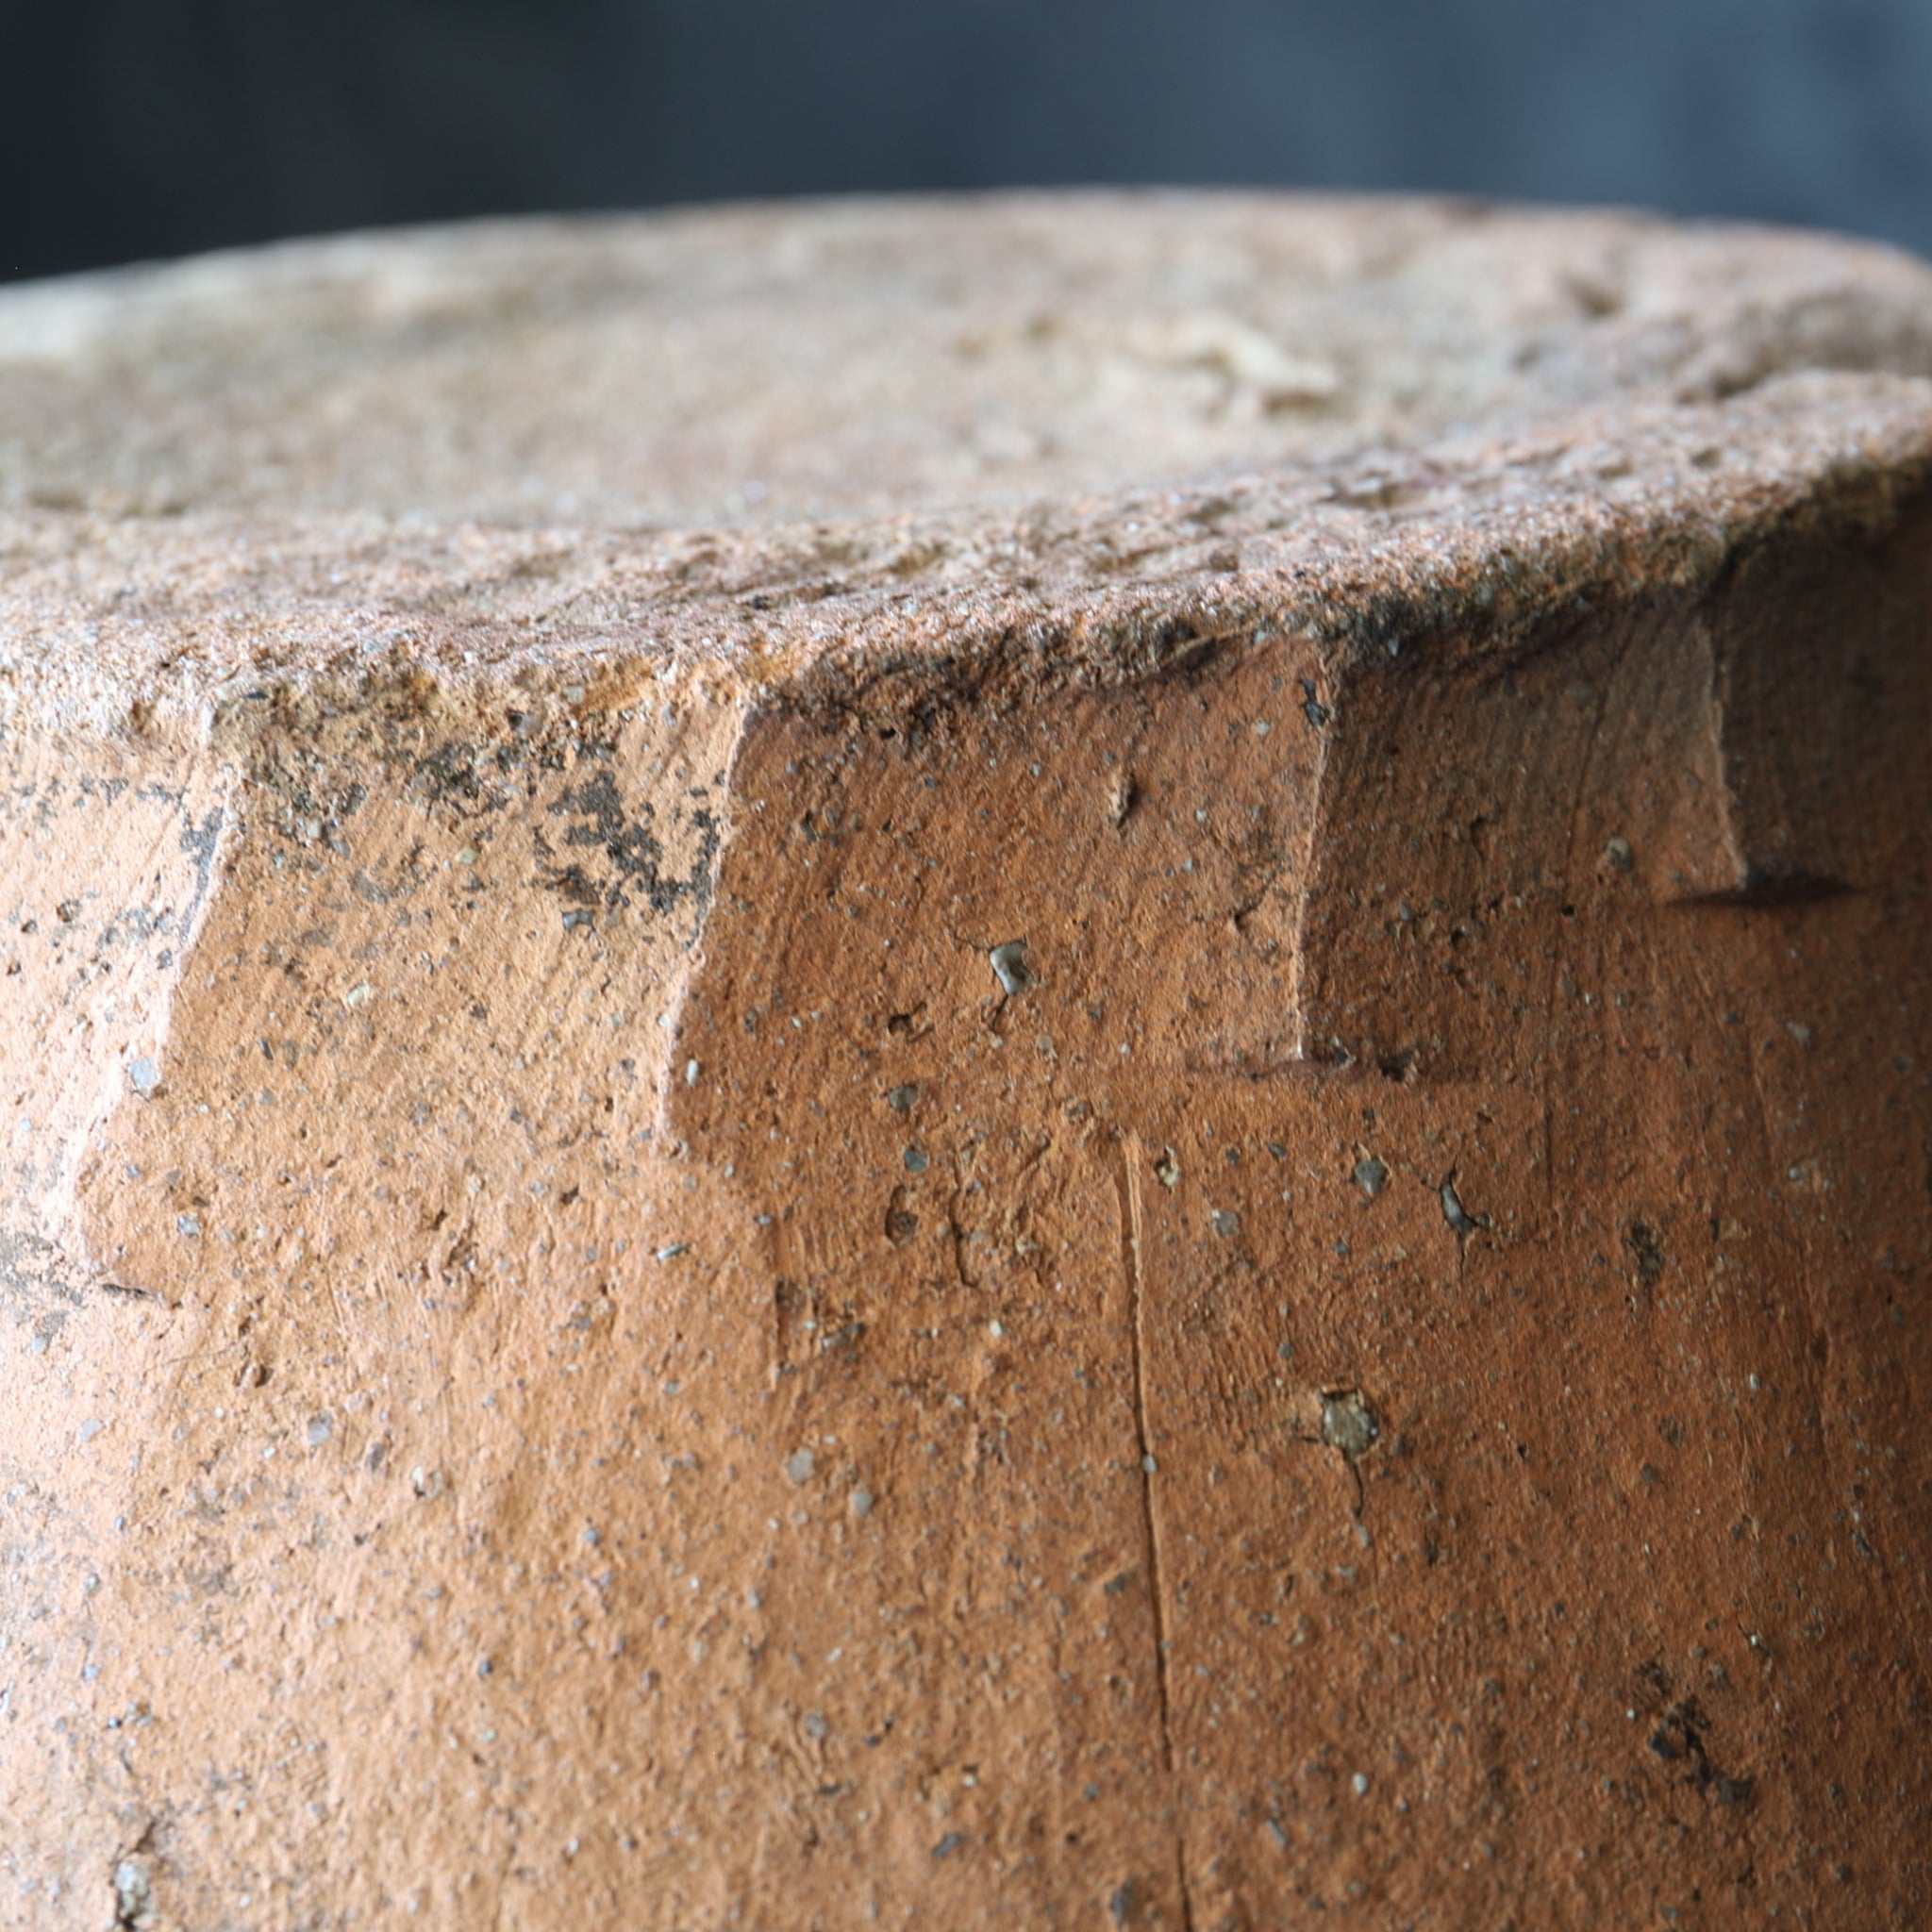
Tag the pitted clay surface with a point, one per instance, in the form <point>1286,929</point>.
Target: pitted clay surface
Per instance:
<point>1056,1061</point>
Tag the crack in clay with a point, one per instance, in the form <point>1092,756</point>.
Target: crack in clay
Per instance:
<point>1130,1261</point>
<point>1321,805</point>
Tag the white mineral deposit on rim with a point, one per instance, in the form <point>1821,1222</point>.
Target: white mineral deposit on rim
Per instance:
<point>1039,1062</point>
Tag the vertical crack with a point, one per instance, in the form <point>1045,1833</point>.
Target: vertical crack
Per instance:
<point>1320,805</point>
<point>1131,1265</point>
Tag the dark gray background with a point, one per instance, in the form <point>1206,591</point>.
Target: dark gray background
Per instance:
<point>131,128</point>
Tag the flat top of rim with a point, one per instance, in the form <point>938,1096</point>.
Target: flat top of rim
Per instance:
<point>775,365</point>
<point>998,445</point>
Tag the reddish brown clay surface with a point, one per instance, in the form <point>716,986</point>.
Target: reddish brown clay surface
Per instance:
<point>1057,1063</point>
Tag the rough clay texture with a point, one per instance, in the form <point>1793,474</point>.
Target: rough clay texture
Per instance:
<point>1049,1064</point>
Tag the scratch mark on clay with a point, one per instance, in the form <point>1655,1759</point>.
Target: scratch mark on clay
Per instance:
<point>1131,1223</point>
